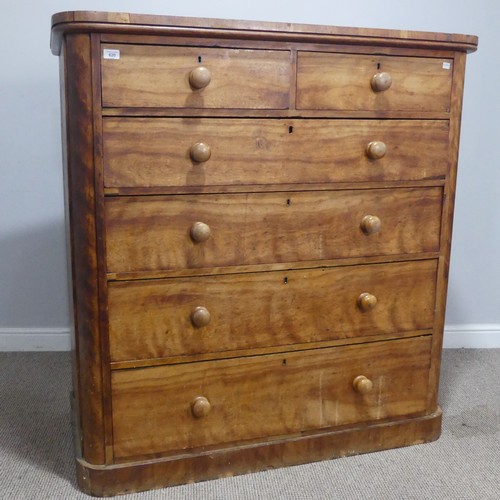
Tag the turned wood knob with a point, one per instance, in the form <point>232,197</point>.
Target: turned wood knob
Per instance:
<point>200,317</point>
<point>367,301</point>
<point>381,81</point>
<point>200,77</point>
<point>362,384</point>
<point>200,232</point>
<point>200,152</point>
<point>200,407</point>
<point>370,224</point>
<point>376,150</point>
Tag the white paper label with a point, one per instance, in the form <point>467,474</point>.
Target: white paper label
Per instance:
<point>111,54</point>
<point>446,65</point>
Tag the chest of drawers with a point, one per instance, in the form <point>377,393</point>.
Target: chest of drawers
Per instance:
<point>259,221</point>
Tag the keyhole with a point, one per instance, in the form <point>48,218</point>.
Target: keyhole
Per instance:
<point>290,129</point>
<point>378,65</point>
<point>284,362</point>
<point>288,202</point>
<point>199,59</point>
<point>285,280</point>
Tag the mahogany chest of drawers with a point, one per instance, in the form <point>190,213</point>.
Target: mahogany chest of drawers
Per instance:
<point>259,221</point>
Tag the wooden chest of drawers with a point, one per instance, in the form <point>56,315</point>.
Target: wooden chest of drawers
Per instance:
<point>259,228</point>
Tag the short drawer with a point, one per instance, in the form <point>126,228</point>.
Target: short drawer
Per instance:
<point>151,76</point>
<point>182,316</point>
<point>373,82</point>
<point>177,407</point>
<point>142,152</point>
<point>197,231</point>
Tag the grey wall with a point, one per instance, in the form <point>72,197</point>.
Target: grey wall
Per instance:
<point>32,245</point>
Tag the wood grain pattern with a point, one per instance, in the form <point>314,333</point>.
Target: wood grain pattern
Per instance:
<point>140,24</point>
<point>284,394</point>
<point>447,225</point>
<point>152,319</point>
<point>268,188</point>
<point>142,152</point>
<point>154,233</point>
<point>128,18</point>
<point>100,247</point>
<point>155,76</point>
<point>274,224</point>
<point>277,266</point>
<point>276,113</point>
<point>342,81</point>
<point>79,174</point>
<point>259,351</point>
<point>231,461</point>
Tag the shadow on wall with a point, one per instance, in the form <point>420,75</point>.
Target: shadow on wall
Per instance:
<point>33,278</point>
<point>457,303</point>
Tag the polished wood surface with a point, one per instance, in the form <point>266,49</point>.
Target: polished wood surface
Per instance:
<point>306,447</point>
<point>145,234</point>
<point>200,232</point>
<point>141,24</point>
<point>446,233</point>
<point>200,77</point>
<point>263,351</point>
<point>270,188</point>
<point>154,76</point>
<point>362,384</point>
<point>371,224</point>
<point>182,316</point>
<point>260,224</point>
<point>302,391</point>
<point>142,152</point>
<point>367,301</point>
<point>344,81</point>
<point>200,152</point>
<point>200,407</point>
<point>381,81</point>
<point>200,316</point>
<point>85,274</point>
<point>376,150</point>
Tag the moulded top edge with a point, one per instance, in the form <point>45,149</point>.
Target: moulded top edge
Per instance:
<point>144,24</point>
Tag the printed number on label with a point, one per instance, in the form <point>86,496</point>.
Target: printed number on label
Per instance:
<point>111,54</point>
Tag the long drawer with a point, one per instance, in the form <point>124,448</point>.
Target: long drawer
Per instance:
<point>151,76</point>
<point>145,152</point>
<point>182,406</point>
<point>182,316</point>
<point>352,82</point>
<point>178,232</point>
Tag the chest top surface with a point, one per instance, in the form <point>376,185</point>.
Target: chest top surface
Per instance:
<point>143,24</point>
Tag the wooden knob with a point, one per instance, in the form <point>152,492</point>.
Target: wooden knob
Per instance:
<point>381,81</point>
<point>370,224</point>
<point>200,317</point>
<point>199,77</point>
<point>367,301</point>
<point>200,407</point>
<point>200,232</point>
<point>200,152</point>
<point>362,385</point>
<point>376,150</point>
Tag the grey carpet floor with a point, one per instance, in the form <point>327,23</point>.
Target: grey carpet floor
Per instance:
<point>36,455</point>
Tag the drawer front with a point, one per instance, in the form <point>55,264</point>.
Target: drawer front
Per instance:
<point>177,232</point>
<point>142,152</point>
<point>264,396</point>
<point>158,318</point>
<point>344,82</point>
<point>158,76</point>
